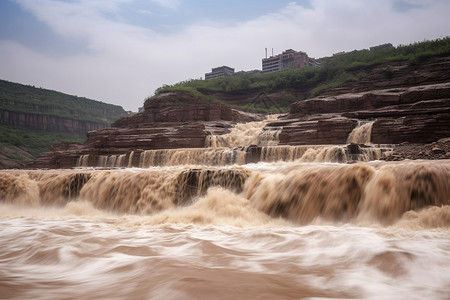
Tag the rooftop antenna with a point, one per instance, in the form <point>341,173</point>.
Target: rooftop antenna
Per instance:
<point>266,52</point>
<point>272,51</point>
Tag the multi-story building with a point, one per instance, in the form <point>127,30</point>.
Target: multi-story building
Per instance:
<point>287,60</point>
<point>271,64</point>
<point>219,72</point>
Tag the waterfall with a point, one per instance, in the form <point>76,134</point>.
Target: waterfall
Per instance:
<point>361,134</point>
<point>296,191</point>
<point>238,156</point>
<point>243,155</point>
<point>246,134</point>
<point>201,156</point>
<point>130,159</point>
<point>83,161</point>
<point>111,161</point>
<point>102,161</point>
<point>250,142</point>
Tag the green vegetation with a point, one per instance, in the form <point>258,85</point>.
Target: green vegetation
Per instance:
<point>23,144</point>
<point>23,98</point>
<point>34,142</point>
<point>243,82</point>
<point>333,72</point>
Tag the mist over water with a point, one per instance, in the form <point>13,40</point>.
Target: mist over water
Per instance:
<point>300,224</point>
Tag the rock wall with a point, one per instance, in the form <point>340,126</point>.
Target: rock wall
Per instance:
<point>47,122</point>
<point>419,114</point>
<point>182,107</point>
<point>169,121</point>
<point>409,104</point>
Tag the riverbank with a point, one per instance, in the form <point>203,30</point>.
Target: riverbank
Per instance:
<point>432,151</point>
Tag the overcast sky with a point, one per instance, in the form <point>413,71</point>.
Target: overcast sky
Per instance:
<point>120,51</point>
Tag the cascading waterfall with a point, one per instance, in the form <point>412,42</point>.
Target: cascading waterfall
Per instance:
<point>269,136</point>
<point>83,161</point>
<point>234,148</point>
<point>297,191</point>
<point>111,161</point>
<point>361,134</point>
<point>120,162</point>
<point>130,159</point>
<point>191,223</point>
<point>240,155</point>
<point>201,156</point>
<point>245,134</point>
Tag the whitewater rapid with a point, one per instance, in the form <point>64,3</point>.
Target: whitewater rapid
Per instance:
<point>69,254</point>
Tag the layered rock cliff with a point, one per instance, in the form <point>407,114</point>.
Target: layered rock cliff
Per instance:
<point>407,103</point>
<point>42,109</point>
<point>419,114</point>
<point>169,121</point>
<point>48,122</point>
<point>31,119</point>
<point>410,103</point>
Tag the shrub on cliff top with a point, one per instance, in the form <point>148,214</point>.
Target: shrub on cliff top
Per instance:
<point>333,71</point>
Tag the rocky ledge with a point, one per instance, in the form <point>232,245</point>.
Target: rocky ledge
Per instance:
<point>169,121</point>
<point>419,114</point>
<point>409,108</point>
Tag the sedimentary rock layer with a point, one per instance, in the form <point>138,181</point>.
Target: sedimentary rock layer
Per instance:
<point>410,104</point>
<point>419,114</point>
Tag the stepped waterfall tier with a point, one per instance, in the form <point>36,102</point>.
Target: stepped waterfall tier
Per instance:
<point>246,143</point>
<point>361,134</point>
<point>279,229</point>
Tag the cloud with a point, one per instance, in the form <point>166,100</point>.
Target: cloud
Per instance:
<point>123,63</point>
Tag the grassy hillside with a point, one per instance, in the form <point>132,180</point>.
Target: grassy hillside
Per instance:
<point>34,141</point>
<point>24,98</point>
<point>333,72</point>
<point>22,144</point>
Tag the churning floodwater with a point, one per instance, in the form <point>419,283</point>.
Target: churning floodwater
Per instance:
<point>292,226</point>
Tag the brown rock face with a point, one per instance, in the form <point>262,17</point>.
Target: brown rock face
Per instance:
<point>169,121</point>
<point>182,107</point>
<point>419,114</point>
<point>47,122</point>
<point>411,105</point>
<point>318,130</point>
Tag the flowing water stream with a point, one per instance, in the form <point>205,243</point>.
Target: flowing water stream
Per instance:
<point>299,224</point>
<point>361,134</point>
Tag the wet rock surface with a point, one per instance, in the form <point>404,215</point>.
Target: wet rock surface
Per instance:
<point>436,150</point>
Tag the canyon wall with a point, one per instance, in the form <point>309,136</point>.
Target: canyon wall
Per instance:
<point>48,122</point>
<point>408,104</point>
<point>32,119</point>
